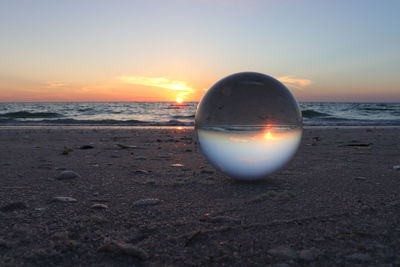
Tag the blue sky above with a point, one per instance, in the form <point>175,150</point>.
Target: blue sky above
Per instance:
<point>347,50</point>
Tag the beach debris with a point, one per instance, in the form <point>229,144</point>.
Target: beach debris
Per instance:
<point>129,146</point>
<point>360,178</point>
<point>141,172</point>
<point>67,175</point>
<point>67,150</point>
<point>359,257</point>
<point>396,167</point>
<point>141,158</point>
<point>41,209</point>
<point>119,247</point>
<point>283,252</point>
<point>99,206</point>
<point>315,140</point>
<point>64,199</point>
<point>14,206</point>
<point>206,171</point>
<point>86,147</point>
<point>147,202</point>
<point>177,165</point>
<point>365,145</point>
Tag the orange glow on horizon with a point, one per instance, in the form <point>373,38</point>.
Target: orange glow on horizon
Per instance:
<point>171,88</point>
<point>113,89</point>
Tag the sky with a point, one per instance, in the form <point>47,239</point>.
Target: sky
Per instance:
<point>159,50</point>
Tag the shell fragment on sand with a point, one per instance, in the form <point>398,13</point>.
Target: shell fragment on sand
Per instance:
<point>129,146</point>
<point>177,165</point>
<point>99,206</point>
<point>64,199</point>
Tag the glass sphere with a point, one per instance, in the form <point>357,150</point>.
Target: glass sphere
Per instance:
<point>248,125</point>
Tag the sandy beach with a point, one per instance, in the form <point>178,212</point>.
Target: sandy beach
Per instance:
<point>148,197</point>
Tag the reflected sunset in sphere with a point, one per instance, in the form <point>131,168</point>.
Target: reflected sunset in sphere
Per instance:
<point>248,125</point>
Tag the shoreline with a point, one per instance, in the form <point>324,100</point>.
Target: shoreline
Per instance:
<point>71,127</point>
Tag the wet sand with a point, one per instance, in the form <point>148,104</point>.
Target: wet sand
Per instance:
<point>148,197</point>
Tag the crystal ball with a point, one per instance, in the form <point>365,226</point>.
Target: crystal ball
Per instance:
<point>248,125</point>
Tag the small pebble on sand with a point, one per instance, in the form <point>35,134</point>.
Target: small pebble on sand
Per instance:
<point>67,175</point>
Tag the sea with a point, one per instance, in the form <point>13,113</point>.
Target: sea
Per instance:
<point>173,114</point>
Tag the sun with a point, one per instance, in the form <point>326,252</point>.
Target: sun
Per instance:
<point>267,135</point>
<point>179,100</point>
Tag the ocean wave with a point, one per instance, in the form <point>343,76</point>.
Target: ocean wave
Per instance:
<point>73,122</point>
<point>85,109</point>
<point>376,109</point>
<point>183,117</point>
<point>177,106</point>
<point>309,113</point>
<point>352,123</point>
<point>27,114</point>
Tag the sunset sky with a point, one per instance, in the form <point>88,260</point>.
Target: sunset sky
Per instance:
<point>103,50</point>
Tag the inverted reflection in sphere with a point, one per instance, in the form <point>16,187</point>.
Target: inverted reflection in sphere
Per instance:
<point>248,125</point>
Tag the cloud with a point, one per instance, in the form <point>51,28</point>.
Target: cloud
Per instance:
<point>160,82</point>
<point>54,85</point>
<point>295,82</point>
